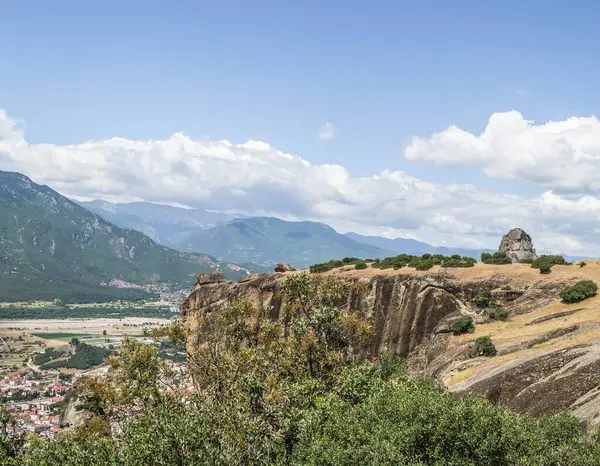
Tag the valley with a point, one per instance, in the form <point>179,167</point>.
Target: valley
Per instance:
<point>35,393</point>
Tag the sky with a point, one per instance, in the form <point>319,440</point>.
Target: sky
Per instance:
<point>448,122</point>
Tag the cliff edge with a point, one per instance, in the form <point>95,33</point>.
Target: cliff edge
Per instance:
<point>548,352</point>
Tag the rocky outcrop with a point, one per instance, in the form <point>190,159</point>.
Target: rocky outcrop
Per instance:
<point>517,245</point>
<point>282,267</point>
<point>404,310</point>
<point>75,410</point>
<point>535,371</point>
<point>566,379</point>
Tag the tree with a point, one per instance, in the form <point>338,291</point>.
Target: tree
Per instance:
<point>10,442</point>
<point>545,269</point>
<point>104,332</point>
<point>74,342</point>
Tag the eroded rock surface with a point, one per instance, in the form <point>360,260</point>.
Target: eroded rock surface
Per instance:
<point>548,357</point>
<point>404,310</point>
<point>517,245</point>
<point>566,379</point>
<point>75,409</point>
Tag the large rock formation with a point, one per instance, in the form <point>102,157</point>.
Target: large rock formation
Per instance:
<point>548,354</point>
<point>405,310</point>
<point>517,245</point>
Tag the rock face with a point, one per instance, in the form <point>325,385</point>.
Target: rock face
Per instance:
<point>405,310</point>
<point>517,245</point>
<point>282,267</point>
<point>542,366</point>
<point>75,412</point>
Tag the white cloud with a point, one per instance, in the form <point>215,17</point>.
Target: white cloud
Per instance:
<point>327,132</point>
<point>256,179</point>
<point>559,155</point>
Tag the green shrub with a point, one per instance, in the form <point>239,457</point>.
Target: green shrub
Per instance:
<point>424,265</point>
<point>484,299</point>
<point>360,265</point>
<point>335,264</point>
<point>497,313</point>
<point>579,291</point>
<point>548,260</point>
<point>484,347</point>
<point>463,324</point>
<point>582,264</point>
<point>526,261</point>
<point>498,258</point>
<point>545,269</point>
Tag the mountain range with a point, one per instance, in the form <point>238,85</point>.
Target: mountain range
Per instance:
<point>258,242</point>
<point>51,247</point>
<point>167,225</point>
<point>265,241</point>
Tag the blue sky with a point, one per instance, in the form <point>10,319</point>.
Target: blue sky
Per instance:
<point>380,72</point>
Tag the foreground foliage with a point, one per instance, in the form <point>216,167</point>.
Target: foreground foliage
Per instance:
<point>294,392</point>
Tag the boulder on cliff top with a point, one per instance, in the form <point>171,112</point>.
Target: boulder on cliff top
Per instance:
<point>210,277</point>
<point>517,245</point>
<point>284,268</point>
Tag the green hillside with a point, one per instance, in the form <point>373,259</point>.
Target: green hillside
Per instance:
<point>266,241</point>
<point>50,247</point>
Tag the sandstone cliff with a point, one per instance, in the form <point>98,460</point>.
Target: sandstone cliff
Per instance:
<point>549,353</point>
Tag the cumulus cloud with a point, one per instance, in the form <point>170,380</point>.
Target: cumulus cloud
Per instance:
<point>558,155</point>
<point>327,132</point>
<point>255,178</point>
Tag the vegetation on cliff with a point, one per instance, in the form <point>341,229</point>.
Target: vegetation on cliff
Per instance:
<point>296,392</point>
<point>548,261</point>
<point>579,291</point>
<point>424,262</point>
<point>498,258</point>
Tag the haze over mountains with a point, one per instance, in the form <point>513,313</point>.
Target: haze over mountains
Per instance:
<point>165,224</point>
<point>52,247</point>
<point>258,242</point>
<point>265,241</point>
